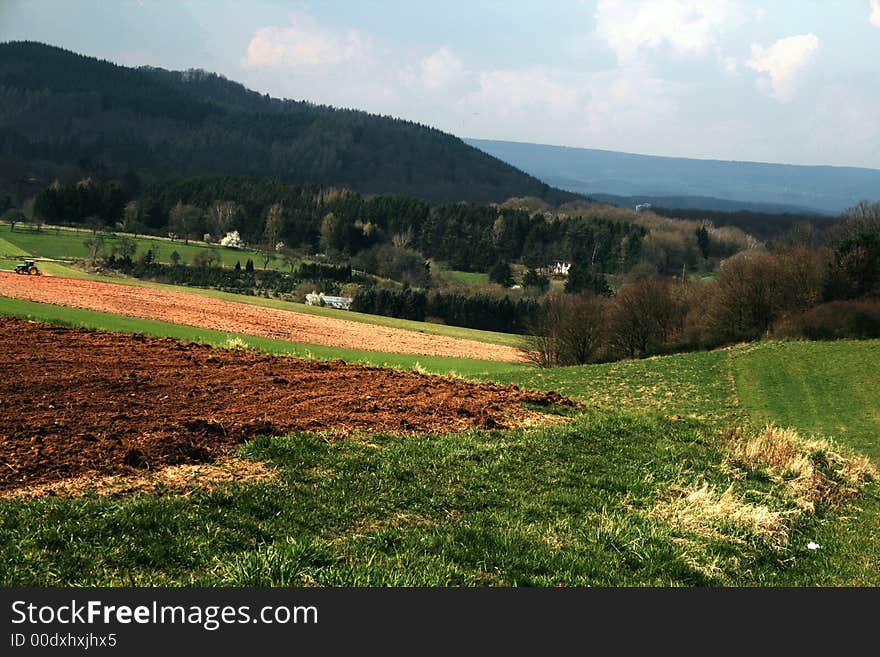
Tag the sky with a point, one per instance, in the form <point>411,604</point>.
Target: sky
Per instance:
<point>790,81</point>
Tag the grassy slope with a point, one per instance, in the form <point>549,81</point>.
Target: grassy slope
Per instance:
<point>693,385</point>
<point>569,504</point>
<point>10,250</point>
<point>827,388</point>
<point>66,244</point>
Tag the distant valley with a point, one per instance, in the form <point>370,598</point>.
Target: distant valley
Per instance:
<point>722,185</point>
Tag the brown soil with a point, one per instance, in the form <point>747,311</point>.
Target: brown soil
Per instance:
<point>221,315</point>
<point>80,402</point>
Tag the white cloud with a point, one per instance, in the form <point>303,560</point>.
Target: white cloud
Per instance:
<point>687,26</point>
<point>630,107</point>
<point>875,12</point>
<point>304,43</point>
<point>729,64</point>
<point>784,61</point>
<point>440,69</point>
<point>610,109</point>
<point>510,92</point>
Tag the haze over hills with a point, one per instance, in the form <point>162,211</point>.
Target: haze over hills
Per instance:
<point>725,185</point>
<point>64,115</point>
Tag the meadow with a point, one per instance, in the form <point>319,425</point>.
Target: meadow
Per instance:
<point>67,244</point>
<point>644,486</point>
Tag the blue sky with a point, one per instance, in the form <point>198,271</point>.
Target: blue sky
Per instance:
<point>774,81</point>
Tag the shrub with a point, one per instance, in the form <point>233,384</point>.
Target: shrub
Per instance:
<point>754,289</point>
<point>858,319</point>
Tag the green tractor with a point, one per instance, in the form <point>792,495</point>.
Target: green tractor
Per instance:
<point>28,267</point>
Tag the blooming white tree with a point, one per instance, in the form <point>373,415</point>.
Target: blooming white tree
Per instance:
<point>232,240</point>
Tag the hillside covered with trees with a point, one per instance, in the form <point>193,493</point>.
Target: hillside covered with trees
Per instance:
<point>66,116</point>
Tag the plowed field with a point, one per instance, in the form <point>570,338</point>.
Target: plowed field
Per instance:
<point>221,315</point>
<point>80,402</point>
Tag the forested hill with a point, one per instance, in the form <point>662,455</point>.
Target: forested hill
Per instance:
<point>66,115</point>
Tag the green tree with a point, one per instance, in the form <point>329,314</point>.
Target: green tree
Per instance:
<point>534,279</point>
<point>703,241</point>
<point>186,220</point>
<point>582,278</point>
<point>332,235</point>
<point>95,245</point>
<point>131,218</point>
<point>125,248</point>
<point>501,273</point>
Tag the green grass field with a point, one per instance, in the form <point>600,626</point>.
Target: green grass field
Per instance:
<point>631,492</point>
<point>829,388</point>
<point>472,278</point>
<point>68,244</point>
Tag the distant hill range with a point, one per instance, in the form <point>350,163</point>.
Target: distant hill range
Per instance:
<point>64,115</point>
<point>627,179</point>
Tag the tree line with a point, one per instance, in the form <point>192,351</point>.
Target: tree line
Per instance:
<point>800,286</point>
<point>479,311</point>
<point>342,223</point>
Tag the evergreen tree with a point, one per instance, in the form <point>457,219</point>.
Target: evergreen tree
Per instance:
<point>501,273</point>
<point>703,241</point>
<point>533,278</point>
<point>582,277</point>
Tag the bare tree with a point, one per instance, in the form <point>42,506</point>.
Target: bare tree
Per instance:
<point>644,317</point>
<point>567,331</point>
<point>274,224</point>
<point>222,216</point>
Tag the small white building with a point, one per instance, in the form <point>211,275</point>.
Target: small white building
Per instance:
<point>342,303</point>
<point>643,206</point>
<point>559,269</point>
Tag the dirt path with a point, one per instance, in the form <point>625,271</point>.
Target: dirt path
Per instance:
<point>76,401</point>
<point>221,315</point>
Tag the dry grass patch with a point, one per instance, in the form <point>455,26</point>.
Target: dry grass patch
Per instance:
<point>703,511</point>
<point>179,479</point>
<point>791,477</point>
<point>812,471</point>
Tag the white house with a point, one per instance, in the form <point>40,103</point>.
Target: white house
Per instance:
<point>342,303</point>
<point>559,269</point>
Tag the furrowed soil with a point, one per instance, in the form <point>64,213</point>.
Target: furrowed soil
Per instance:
<point>82,402</point>
<point>222,315</point>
